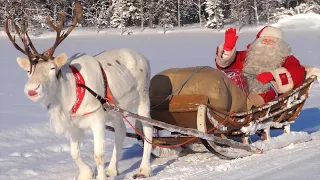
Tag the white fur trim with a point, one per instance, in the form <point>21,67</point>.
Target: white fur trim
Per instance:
<point>283,88</point>
<point>313,71</point>
<point>223,61</point>
<point>273,32</point>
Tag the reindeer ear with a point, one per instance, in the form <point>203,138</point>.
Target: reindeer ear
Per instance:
<point>60,60</point>
<point>24,63</point>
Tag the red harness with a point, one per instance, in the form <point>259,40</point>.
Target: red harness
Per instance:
<point>81,91</point>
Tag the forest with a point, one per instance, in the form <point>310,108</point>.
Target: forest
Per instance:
<point>167,14</point>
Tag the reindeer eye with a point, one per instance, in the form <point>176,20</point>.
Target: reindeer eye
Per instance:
<point>53,68</point>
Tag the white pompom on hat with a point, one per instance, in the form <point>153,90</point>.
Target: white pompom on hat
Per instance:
<point>270,31</point>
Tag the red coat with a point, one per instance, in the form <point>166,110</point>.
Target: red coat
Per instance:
<point>290,76</point>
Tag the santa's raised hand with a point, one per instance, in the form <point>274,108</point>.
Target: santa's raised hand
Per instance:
<point>230,39</point>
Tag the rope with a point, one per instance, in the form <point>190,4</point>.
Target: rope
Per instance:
<point>174,145</point>
<point>180,87</point>
<point>107,100</point>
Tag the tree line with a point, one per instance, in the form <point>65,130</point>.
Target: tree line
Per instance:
<point>167,14</point>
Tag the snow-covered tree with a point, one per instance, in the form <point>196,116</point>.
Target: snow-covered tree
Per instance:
<point>259,10</point>
<point>143,9</point>
<point>280,13</point>
<point>151,12</point>
<point>309,6</point>
<point>166,14</point>
<point>126,13</point>
<point>199,4</point>
<point>239,12</point>
<point>215,19</point>
<point>96,14</point>
<point>188,11</point>
<point>117,18</point>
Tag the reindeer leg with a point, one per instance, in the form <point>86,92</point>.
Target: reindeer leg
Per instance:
<point>85,170</point>
<point>145,167</point>
<point>120,131</point>
<point>99,148</point>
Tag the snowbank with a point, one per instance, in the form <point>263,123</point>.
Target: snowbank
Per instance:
<point>283,140</point>
<point>315,135</point>
<point>306,21</point>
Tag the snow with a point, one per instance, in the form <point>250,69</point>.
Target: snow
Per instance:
<point>308,20</point>
<point>30,150</point>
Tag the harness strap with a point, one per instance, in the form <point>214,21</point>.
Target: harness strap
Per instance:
<point>97,96</point>
<point>81,89</point>
<point>108,94</point>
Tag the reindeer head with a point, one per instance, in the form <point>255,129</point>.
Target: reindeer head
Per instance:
<point>43,69</point>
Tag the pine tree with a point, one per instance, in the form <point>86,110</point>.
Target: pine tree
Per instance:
<point>166,10</point>
<point>126,13</point>
<point>189,13</point>
<point>117,18</point>
<point>215,19</point>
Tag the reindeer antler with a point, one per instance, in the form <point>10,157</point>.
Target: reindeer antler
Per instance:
<point>59,38</point>
<point>26,41</point>
<point>24,37</point>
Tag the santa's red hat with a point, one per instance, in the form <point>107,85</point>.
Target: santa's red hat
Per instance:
<point>270,31</point>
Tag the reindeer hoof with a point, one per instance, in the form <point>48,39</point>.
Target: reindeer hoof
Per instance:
<point>143,172</point>
<point>85,174</point>
<point>111,172</point>
<point>139,176</point>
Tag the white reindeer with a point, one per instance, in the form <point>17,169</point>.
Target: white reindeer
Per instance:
<point>53,83</point>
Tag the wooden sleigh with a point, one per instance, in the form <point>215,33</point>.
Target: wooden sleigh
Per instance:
<point>195,112</point>
<point>190,118</point>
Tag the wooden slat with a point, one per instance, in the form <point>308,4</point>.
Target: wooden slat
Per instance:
<point>180,110</point>
<point>297,112</point>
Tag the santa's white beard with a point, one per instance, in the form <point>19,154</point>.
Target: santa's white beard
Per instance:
<point>263,58</point>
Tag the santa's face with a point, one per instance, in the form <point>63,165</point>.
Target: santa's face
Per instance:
<point>265,54</point>
<point>268,41</point>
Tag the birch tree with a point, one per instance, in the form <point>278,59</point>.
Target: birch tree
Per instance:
<point>199,4</point>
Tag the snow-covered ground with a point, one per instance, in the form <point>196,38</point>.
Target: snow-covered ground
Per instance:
<point>30,150</point>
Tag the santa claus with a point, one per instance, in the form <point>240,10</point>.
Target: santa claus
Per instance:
<point>268,65</point>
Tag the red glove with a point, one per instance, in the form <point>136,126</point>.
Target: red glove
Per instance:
<point>265,77</point>
<point>230,39</point>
